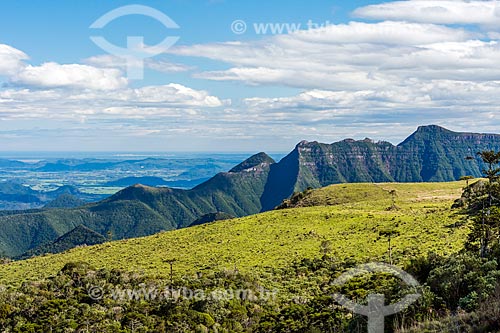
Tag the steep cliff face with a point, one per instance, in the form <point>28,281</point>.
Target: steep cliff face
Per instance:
<point>436,154</point>
<point>282,179</point>
<point>345,161</point>
<point>432,154</point>
<point>313,164</point>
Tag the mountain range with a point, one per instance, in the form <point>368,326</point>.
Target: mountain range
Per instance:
<point>154,182</point>
<point>431,154</point>
<point>14,196</point>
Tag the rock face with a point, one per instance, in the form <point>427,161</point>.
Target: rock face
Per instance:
<point>431,154</point>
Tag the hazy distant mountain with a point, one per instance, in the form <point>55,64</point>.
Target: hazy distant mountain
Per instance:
<point>65,200</point>
<point>16,196</point>
<point>15,192</point>
<point>431,153</point>
<point>189,168</point>
<point>129,181</point>
<point>5,163</point>
<point>154,181</point>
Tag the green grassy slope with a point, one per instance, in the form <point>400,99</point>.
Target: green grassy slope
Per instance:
<point>352,222</point>
<point>77,237</point>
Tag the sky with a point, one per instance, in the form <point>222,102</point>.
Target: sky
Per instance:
<point>240,76</point>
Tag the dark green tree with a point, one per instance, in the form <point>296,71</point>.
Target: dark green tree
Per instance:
<point>484,205</point>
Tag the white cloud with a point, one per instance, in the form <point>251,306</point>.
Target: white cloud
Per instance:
<point>107,61</point>
<point>436,95</point>
<point>11,59</point>
<point>79,102</point>
<point>323,114</point>
<point>172,100</point>
<point>388,33</point>
<point>53,75</point>
<point>110,61</point>
<point>355,56</point>
<point>362,78</point>
<point>356,79</point>
<point>166,66</point>
<point>175,94</point>
<point>485,13</point>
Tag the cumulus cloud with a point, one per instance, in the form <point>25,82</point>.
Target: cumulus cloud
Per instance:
<point>175,94</point>
<point>139,102</point>
<point>438,95</point>
<point>166,66</point>
<point>354,56</point>
<point>53,75</point>
<point>325,114</point>
<point>79,102</point>
<point>387,32</point>
<point>486,13</point>
<point>11,59</point>
<point>364,77</point>
<point>106,61</point>
<point>356,79</point>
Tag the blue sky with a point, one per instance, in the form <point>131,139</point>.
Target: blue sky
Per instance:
<point>368,68</point>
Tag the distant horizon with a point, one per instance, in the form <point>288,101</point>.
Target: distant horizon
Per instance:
<point>151,153</point>
<point>139,153</point>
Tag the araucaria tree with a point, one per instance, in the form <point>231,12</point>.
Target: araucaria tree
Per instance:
<point>484,207</point>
